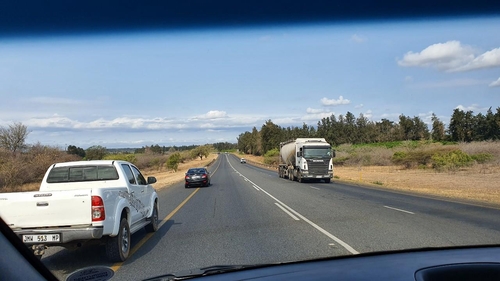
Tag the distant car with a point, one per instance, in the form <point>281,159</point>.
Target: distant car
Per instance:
<point>243,160</point>
<point>197,177</point>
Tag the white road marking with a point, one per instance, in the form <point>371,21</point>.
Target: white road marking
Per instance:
<point>400,210</point>
<point>314,187</point>
<point>286,211</point>
<point>256,187</point>
<point>328,234</point>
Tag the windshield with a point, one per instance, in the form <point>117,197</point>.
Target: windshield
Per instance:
<point>196,171</point>
<point>411,109</point>
<point>321,152</point>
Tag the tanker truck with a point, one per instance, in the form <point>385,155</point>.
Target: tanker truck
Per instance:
<point>306,159</point>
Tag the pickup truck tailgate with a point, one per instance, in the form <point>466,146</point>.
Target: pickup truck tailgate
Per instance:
<point>46,209</point>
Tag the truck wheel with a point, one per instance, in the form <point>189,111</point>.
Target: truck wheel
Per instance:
<point>153,226</point>
<point>299,178</point>
<point>290,176</point>
<point>118,247</point>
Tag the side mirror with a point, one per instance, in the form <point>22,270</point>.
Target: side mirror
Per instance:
<point>333,153</point>
<point>299,154</point>
<point>151,180</point>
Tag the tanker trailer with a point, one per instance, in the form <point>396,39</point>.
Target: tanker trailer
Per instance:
<point>306,159</point>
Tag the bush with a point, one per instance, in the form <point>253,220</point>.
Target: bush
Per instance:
<point>482,158</point>
<point>123,157</point>
<point>421,156</point>
<point>173,161</point>
<point>340,160</point>
<point>452,160</point>
<point>272,156</point>
<point>29,166</point>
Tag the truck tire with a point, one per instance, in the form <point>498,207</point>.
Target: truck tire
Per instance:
<point>118,247</point>
<point>290,175</point>
<point>153,225</point>
<point>299,178</point>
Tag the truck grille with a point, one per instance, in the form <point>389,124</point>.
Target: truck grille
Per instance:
<point>318,168</point>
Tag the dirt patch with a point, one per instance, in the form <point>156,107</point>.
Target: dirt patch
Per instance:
<point>478,184</point>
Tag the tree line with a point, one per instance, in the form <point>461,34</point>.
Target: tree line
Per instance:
<point>465,126</point>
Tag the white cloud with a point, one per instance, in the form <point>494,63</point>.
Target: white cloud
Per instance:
<point>486,60</point>
<point>368,114</point>
<point>316,116</point>
<point>443,56</point>
<point>359,106</point>
<point>341,100</point>
<point>472,107</point>
<point>314,110</point>
<point>452,56</point>
<point>426,117</point>
<point>213,114</point>
<point>358,39</point>
<point>495,83</point>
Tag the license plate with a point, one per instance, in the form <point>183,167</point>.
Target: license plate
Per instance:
<point>41,238</point>
<point>196,177</point>
<point>319,177</point>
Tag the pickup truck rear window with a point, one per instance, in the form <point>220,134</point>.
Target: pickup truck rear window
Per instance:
<point>82,173</point>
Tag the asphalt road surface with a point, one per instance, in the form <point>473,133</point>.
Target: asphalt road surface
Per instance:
<point>251,216</point>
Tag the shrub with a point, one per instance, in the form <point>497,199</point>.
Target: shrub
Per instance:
<point>173,161</point>
<point>421,156</point>
<point>340,160</point>
<point>30,165</point>
<point>452,160</point>
<point>147,161</point>
<point>482,158</point>
<point>272,156</point>
<point>123,157</point>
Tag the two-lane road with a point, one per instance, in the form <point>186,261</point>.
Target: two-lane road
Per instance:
<point>249,215</point>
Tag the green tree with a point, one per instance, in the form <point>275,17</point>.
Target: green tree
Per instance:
<point>75,150</point>
<point>14,137</point>
<point>95,152</point>
<point>173,161</point>
<point>270,136</point>
<point>437,128</point>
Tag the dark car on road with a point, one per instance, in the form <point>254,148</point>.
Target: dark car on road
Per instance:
<point>197,177</point>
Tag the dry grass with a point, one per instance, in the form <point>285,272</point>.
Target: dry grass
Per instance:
<point>489,147</point>
<point>163,176</point>
<point>477,184</point>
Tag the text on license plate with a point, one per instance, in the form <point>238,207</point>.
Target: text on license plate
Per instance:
<point>41,238</point>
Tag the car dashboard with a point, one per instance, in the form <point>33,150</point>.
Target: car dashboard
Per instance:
<point>462,264</point>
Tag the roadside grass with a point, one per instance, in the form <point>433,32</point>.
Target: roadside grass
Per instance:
<point>23,171</point>
<point>439,156</point>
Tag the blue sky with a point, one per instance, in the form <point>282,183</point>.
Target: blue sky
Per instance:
<point>197,87</point>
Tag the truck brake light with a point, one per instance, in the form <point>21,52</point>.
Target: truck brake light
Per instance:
<point>98,213</point>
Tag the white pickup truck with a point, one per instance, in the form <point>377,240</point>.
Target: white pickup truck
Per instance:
<point>83,201</point>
